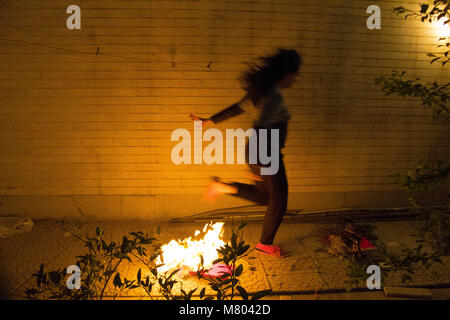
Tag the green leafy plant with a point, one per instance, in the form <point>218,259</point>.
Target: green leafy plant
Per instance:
<point>438,10</point>
<point>228,285</point>
<point>432,235</point>
<point>100,270</point>
<point>343,241</point>
<point>425,175</point>
<point>433,228</point>
<point>406,262</point>
<point>432,94</point>
<point>356,267</point>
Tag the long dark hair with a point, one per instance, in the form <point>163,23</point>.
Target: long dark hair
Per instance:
<point>264,74</point>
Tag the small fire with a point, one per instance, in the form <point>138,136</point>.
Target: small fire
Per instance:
<point>187,252</point>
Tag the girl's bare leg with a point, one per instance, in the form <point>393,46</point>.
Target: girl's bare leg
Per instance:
<point>217,187</point>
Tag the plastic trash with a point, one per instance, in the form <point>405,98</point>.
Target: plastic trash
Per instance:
<point>215,271</point>
<point>10,226</point>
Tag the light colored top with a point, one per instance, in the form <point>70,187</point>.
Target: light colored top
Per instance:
<point>272,109</point>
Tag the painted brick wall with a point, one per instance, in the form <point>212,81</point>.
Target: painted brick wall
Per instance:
<point>86,115</point>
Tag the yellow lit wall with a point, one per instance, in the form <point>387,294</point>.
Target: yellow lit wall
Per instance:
<point>86,115</point>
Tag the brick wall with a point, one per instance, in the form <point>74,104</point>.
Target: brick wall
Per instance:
<point>86,115</point>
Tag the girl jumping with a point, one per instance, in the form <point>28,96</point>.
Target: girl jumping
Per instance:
<point>263,82</point>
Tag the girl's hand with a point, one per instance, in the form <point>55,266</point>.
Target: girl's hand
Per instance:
<point>205,122</point>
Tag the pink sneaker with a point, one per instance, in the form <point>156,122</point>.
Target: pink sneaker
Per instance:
<point>269,250</point>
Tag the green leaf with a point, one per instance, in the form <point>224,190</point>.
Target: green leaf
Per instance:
<point>258,295</point>
<point>189,295</point>
<point>117,280</point>
<point>202,293</point>
<point>40,275</point>
<point>406,277</point>
<point>173,273</point>
<point>55,277</point>
<point>239,270</point>
<point>424,8</point>
<point>242,292</point>
<point>244,249</point>
<point>233,240</point>
<point>435,59</point>
<point>438,260</point>
<point>139,276</point>
<point>214,286</point>
<point>31,292</point>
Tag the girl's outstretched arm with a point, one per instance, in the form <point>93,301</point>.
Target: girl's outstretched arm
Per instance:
<point>227,113</point>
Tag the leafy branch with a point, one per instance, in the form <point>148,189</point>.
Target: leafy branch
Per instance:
<point>440,9</point>
<point>425,175</point>
<point>431,94</point>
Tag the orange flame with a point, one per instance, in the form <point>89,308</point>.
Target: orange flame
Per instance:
<point>187,252</point>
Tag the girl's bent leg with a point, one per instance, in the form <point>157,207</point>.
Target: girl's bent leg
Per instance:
<point>217,187</point>
<point>277,189</point>
<point>257,192</point>
<point>251,192</point>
